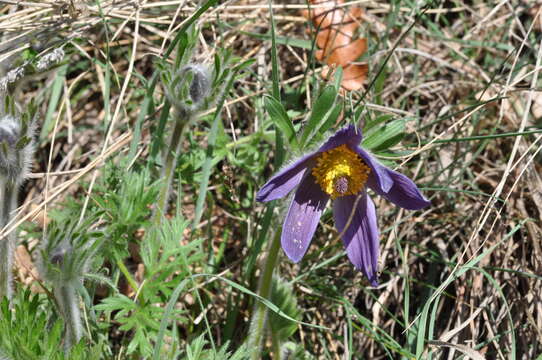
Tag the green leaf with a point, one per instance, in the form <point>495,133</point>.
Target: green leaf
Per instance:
<point>274,58</point>
<point>22,142</point>
<point>166,317</point>
<point>320,109</point>
<point>281,119</point>
<point>371,123</point>
<point>282,295</point>
<point>338,78</point>
<point>379,85</point>
<point>385,136</point>
<point>331,119</point>
<point>282,40</point>
<point>56,93</point>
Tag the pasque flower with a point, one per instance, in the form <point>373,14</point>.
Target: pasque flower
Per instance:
<point>16,149</point>
<point>339,170</point>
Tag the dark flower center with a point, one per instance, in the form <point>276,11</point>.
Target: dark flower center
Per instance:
<point>341,185</point>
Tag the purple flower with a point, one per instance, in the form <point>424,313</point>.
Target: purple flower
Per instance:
<point>340,170</point>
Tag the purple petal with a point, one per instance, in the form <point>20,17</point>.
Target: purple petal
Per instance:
<point>403,193</point>
<point>302,218</point>
<point>284,181</point>
<point>349,135</point>
<point>361,237</point>
<point>379,177</point>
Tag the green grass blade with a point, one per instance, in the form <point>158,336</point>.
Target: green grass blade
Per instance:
<point>56,91</point>
<point>166,317</point>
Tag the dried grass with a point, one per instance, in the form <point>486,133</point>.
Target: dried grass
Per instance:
<point>439,76</point>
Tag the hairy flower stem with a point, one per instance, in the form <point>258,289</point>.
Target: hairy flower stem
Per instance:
<point>275,345</point>
<point>8,198</point>
<point>182,118</point>
<point>68,302</point>
<point>127,275</point>
<point>257,324</point>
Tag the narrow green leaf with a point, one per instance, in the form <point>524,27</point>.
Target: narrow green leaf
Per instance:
<point>166,317</point>
<point>385,136</point>
<point>274,57</point>
<point>281,119</point>
<point>282,40</point>
<point>266,302</point>
<point>283,296</point>
<point>320,109</point>
<point>379,85</point>
<point>331,119</point>
<point>338,78</point>
<point>22,142</point>
<point>371,123</point>
<point>56,91</point>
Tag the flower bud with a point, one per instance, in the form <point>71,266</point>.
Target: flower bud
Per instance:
<point>63,263</point>
<point>16,148</point>
<point>200,85</point>
<point>67,253</point>
<point>11,77</point>
<point>58,254</point>
<point>189,87</point>
<point>50,59</point>
<point>61,266</point>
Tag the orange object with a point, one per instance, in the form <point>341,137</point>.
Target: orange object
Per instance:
<point>335,29</point>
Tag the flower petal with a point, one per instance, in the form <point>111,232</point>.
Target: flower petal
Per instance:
<point>404,192</point>
<point>349,135</point>
<point>361,237</point>
<point>378,177</point>
<point>302,219</point>
<point>284,181</point>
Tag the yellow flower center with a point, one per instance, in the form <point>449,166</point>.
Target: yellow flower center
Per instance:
<point>340,172</point>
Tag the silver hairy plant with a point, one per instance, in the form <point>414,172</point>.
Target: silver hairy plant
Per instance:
<point>16,152</point>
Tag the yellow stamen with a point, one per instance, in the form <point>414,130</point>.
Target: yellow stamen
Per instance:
<point>340,172</point>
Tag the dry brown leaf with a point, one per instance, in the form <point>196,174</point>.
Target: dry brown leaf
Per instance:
<point>353,76</point>
<point>40,218</point>
<point>26,269</point>
<point>336,28</point>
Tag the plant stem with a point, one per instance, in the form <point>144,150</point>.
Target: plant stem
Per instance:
<point>68,302</point>
<point>182,118</point>
<point>127,275</point>
<point>257,325</point>
<point>8,197</point>
<point>275,343</point>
